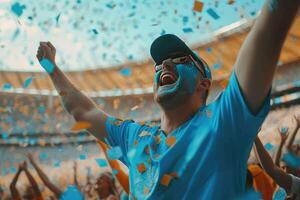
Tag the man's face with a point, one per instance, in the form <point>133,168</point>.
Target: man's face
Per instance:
<point>175,83</point>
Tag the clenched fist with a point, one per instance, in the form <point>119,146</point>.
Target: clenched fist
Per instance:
<point>46,56</point>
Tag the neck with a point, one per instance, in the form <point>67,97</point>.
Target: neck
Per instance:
<point>173,118</point>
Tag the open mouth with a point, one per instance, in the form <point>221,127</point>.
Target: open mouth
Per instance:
<point>167,78</point>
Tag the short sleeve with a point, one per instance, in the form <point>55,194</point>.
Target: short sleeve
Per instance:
<point>122,133</point>
<point>238,123</point>
<point>295,185</point>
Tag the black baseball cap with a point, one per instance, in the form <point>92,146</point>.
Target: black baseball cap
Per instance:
<point>167,45</point>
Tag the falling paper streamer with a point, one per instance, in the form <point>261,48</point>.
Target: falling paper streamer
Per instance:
<point>81,125</point>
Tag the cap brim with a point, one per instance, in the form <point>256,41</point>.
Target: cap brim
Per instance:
<point>167,46</point>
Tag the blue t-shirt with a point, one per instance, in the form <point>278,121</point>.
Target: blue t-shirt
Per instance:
<point>71,193</point>
<point>204,158</point>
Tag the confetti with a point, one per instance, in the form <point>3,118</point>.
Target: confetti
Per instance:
<point>7,86</point>
<point>170,141</point>
<point>187,30</point>
<point>165,180</point>
<point>146,190</point>
<point>47,65</point>
<point>101,162</point>
<point>27,82</point>
<point>18,9</point>
<point>114,153</point>
<point>141,168</point>
<point>126,72</point>
<point>57,18</point>
<point>213,14</point>
<point>82,157</point>
<point>57,163</point>
<point>81,125</point>
<point>43,156</point>
<point>268,146</point>
<point>198,6</point>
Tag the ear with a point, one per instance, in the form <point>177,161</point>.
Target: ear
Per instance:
<point>203,85</point>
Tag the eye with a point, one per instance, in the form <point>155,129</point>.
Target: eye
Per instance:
<point>180,60</point>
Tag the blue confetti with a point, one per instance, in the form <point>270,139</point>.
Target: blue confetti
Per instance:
<point>126,71</point>
<point>217,66</point>
<point>268,146</point>
<point>110,5</point>
<point>114,153</point>
<point>187,30</point>
<point>7,86</point>
<point>13,170</point>
<point>47,65</point>
<point>212,13</point>
<point>284,130</point>
<point>57,163</point>
<point>42,109</point>
<point>4,135</point>
<point>57,18</point>
<point>27,82</point>
<point>209,49</point>
<point>101,162</point>
<point>95,31</point>
<point>82,157</point>
<point>43,156</point>
<point>17,8</point>
<point>291,160</point>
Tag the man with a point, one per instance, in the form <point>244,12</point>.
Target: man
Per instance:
<point>289,182</point>
<point>200,151</point>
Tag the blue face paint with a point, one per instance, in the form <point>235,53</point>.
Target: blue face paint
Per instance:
<point>174,94</point>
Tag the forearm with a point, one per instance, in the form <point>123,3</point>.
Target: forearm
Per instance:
<point>74,101</point>
<point>291,141</point>
<point>46,180</point>
<point>260,52</point>
<point>33,183</point>
<point>264,157</point>
<point>14,192</point>
<point>278,154</point>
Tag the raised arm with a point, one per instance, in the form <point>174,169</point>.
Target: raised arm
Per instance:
<point>32,182</point>
<point>13,189</point>
<point>44,177</point>
<point>258,57</point>
<point>277,174</point>
<point>75,175</point>
<point>293,136</point>
<point>81,107</point>
<point>283,136</point>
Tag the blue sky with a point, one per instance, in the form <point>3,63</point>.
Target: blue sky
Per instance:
<point>104,33</point>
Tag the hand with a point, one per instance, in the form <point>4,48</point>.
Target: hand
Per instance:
<point>284,132</point>
<point>46,56</point>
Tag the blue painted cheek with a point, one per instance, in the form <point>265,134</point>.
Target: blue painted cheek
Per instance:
<point>188,77</point>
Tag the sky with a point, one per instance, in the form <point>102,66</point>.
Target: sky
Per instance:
<point>91,34</point>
